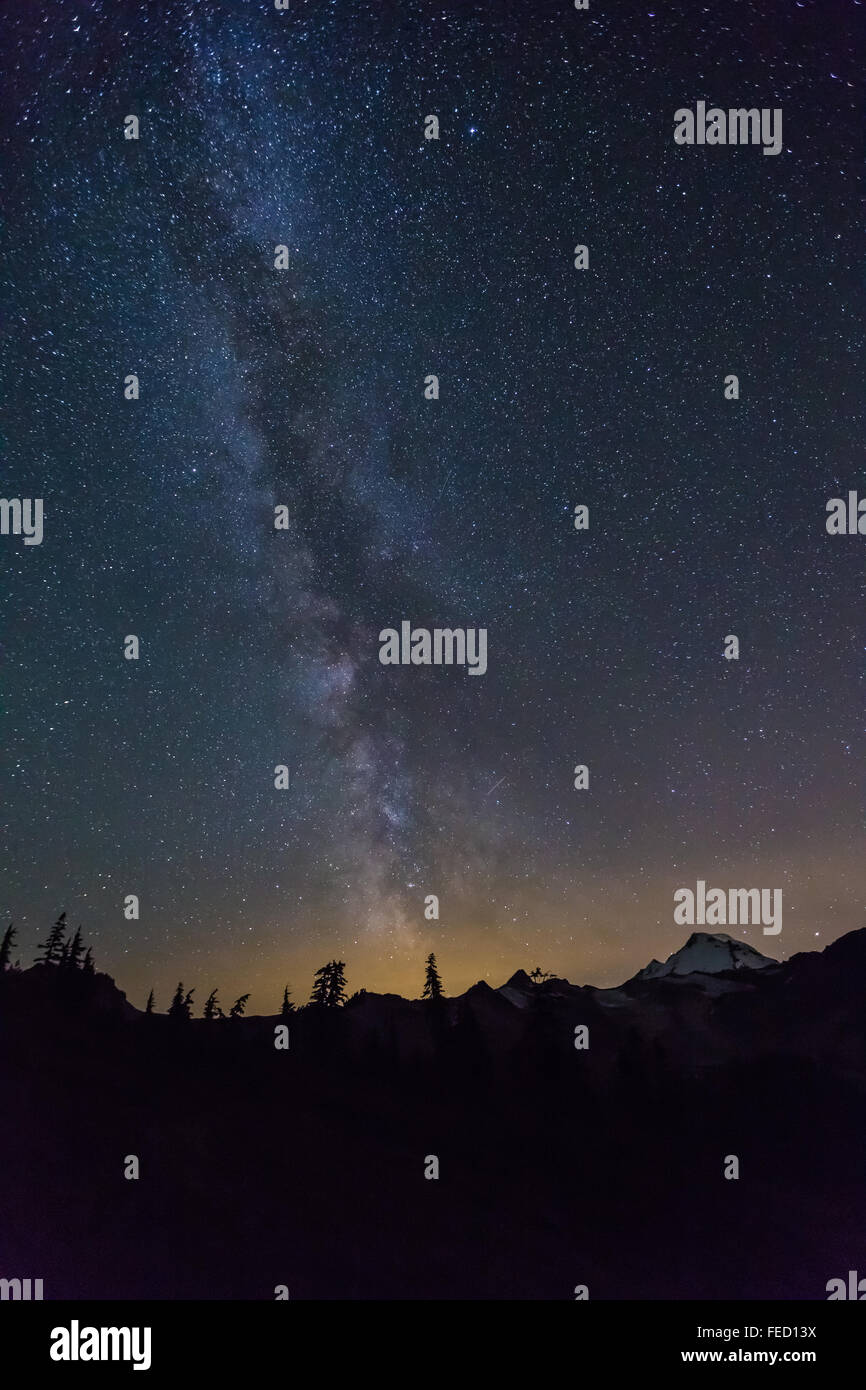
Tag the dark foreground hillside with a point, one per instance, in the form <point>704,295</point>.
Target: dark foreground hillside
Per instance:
<point>558,1167</point>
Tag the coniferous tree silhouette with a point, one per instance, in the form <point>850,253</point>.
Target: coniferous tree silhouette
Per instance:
<point>321,985</point>
<point>337,992</point>
<point>329,987</point>
<point>6,945</point>
<point>287,1005</point>
<point>237,1008</point>
<point>148,1008</point>
<point>211,1007</point>
<point>74,951</point>
<point>87,963</point>
<point>432,980</point>
<point>181,1008</point>
<point>53,947</point>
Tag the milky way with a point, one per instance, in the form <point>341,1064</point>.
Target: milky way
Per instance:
<point>305,388</point>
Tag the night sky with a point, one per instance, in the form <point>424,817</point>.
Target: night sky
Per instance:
<point>305,388</point>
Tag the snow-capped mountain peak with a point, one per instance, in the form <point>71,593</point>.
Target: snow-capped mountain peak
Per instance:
<point>707,953</point>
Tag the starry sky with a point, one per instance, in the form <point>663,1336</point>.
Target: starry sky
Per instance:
<point>304,388</point>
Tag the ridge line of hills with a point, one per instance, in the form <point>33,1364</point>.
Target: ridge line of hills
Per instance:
<point>711,954</point>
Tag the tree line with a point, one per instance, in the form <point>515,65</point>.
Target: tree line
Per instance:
<point>328,992</point>
<point>329,983</point>
<point>66,953</point>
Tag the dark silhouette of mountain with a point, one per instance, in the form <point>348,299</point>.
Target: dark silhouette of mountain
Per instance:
<point>582,1136</point>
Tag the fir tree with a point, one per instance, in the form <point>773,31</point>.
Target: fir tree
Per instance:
<point>6,946</point>
<point>211,1007</point>
<point>53,947</point>
<point>148,1008</point>
<point>74,951</point>
<point>237,1008</point>
<point>432,980</point>
<point>287,1005</point>
<point>87,963</point>
<point>179,1009</point>
<point>329,986</point>
<point>320,985</point>
<point>337,992</point>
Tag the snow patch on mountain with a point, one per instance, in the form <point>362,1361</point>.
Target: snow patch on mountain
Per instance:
<point>707,953</point>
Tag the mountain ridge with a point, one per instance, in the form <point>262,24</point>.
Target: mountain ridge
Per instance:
<point>704,954</point>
